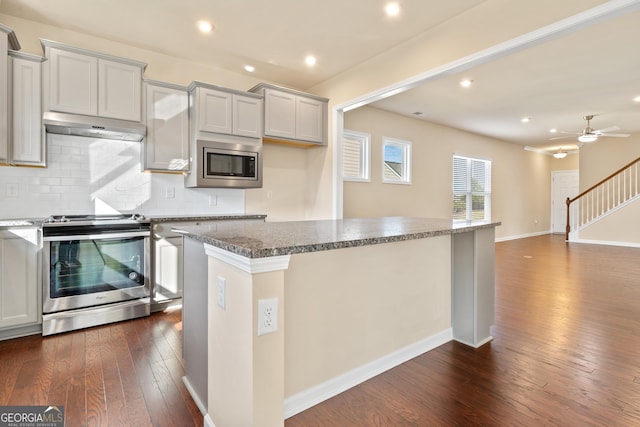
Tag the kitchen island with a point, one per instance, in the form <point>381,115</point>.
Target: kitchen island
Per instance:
<point>353,298</point>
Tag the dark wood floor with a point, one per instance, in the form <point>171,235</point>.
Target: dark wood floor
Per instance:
<point>123,374</point>
<point>566,352</point>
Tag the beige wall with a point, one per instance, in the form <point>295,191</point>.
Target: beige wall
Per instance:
<point>340,313</point>
<point>520,178</point>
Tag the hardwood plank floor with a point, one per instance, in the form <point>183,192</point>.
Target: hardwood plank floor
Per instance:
<point>566,351</point>
<point>123,374</point>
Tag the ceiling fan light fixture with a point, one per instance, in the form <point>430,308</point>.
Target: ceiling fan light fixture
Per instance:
<point>587,138</point>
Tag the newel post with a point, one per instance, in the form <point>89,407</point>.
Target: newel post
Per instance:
<point>568,228</point>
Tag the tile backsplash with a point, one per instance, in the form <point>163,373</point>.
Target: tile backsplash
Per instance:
<point>87,175</point>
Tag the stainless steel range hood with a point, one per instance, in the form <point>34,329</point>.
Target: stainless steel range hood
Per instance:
<point>93,127</point>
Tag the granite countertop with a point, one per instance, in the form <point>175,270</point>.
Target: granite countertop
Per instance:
<point>204,217</point>
<point>6,224</point>
<point>260,240</point>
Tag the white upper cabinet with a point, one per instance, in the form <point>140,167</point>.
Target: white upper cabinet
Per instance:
<point>119,90</point>
<point>166,146</point>
<point>226,111</point>
<point>27,142</point>
<point>84,82</point>
<point>293,116</point>
<point>8,41</point>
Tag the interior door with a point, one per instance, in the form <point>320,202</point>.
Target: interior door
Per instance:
<point>563,184</point>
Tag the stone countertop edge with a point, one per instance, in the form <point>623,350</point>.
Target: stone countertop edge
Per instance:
<point>6,224</point>
<point>178,218</point>
<point>254,241</point>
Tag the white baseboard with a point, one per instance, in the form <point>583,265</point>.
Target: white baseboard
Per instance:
<point>199,403</point>
<point>604,242</point>
<point>208,422</point>
<point>310,397</point>
<point>523,236</point>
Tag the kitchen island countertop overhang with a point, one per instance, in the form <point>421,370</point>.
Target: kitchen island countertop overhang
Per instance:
<point>271,239</point>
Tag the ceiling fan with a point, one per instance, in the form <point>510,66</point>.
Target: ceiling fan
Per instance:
<point>589,134</point>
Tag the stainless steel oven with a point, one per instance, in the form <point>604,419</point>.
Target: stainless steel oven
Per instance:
<point>96,270</point>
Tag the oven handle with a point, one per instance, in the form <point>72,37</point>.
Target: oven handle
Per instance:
<point>97,236</point>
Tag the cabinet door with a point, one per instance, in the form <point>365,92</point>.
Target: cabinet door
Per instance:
<point>309,119</point>
<point>4,101</point>
<point>280,113</point>
<point>168,271</point>
<point>73,82</point>
<point>19,267</point>
<point>120,88</point>
<point>28,144</point>
<point>247,116</point>
<point>215,111</point>
<point>166,146</point>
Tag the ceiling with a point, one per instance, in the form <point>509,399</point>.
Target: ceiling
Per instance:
<point>595,70</point>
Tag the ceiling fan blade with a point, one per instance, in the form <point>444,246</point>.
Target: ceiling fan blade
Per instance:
<point>605,130</point>
<point>616,135</point>
<point>563,137</point>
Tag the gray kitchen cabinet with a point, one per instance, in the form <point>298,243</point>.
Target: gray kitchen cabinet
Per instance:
<point>291,115</point>
<point>27,146</point>
<point>84,82</point>
<point>168,268</point>
<point>8,41</point>
<point>20,276</point>
<point>226,111</point>
<point>166,114</point>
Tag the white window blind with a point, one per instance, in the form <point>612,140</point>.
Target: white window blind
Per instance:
<point>471,189</point>
<point>355,156</point>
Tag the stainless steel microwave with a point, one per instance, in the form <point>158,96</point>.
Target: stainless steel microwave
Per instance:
<point>226,163</point>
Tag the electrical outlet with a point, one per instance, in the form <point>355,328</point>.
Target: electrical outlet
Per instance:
<point>267,316</point>
<point>222,293</point>
<point>213,200</point>
<point>12,190</point>
<point>170,192</point>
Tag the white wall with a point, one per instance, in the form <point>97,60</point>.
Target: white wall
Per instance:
<point>86,175</point>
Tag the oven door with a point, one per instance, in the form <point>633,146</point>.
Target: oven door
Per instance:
<point>89,270</point>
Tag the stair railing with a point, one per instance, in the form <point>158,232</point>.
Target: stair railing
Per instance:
<point>608,194</point>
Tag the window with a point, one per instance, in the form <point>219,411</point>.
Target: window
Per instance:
<point>356,157</point>
<point>396,161</point>
<point>471,189</point>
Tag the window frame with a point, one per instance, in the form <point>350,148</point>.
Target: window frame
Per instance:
<point>469,193</point>
<point>404,178</point>
<point>364,139</point>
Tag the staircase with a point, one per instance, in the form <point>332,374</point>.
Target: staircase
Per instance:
<point>612,193</point>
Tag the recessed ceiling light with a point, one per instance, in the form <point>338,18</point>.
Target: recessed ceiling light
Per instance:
<point>310,60</point>
<point>392,9</point>
<point>249,68</point>
<point>466,83</point>
<point>205,26</point>
<point>525,119</point>
<point>636,99</point>
<point>554,130</point>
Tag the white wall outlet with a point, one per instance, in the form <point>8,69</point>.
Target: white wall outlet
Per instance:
<point>170,192</point>
<point>12,190</point>
<point>267,316</point>
<point>221,295</point>
<point>213,200</point>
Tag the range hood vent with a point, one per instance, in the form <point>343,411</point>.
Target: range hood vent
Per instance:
<point>93,127</point>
